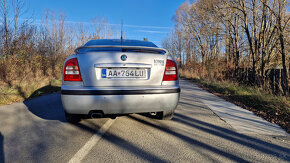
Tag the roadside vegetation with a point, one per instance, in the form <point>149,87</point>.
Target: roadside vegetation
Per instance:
<point>273,108</point>
<point>27,89</point>
<point>246,41</point>
<point>238,50</point>
<point>32,52</point>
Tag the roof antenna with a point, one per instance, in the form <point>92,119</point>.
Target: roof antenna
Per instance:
<point>121,31</point>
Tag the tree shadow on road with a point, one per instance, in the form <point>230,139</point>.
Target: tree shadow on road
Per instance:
<point>224,133</point>
<point>245,140</point>
<point>190,140</point>
<point>2,156</point>
<point>121,143</point>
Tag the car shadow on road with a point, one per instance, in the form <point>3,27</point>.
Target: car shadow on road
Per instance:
<point>2,156</point>
<point>47,107</point>
<point>44,90</point>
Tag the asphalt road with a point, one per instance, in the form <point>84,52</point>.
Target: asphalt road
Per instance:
<point>36,131</point>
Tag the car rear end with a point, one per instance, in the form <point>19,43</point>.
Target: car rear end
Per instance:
<point>117,79</point>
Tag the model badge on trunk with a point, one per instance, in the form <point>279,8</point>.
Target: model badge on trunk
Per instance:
<point>158,62</point>
<point>123,57</point>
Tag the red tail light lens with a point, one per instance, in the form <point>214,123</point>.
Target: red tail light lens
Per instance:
<point>71,70</point>
<point>170,73</point>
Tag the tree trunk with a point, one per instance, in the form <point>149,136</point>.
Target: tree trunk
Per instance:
<point>284,82</point>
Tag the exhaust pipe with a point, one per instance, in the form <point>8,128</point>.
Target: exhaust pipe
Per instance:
<point>97,115</point>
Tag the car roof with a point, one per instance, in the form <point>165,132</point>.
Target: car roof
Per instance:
<point>119,42</point>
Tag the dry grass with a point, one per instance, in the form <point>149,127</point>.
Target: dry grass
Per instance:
<point>27,86</point>
<point>275,109</point>
<point>188,74</point>
<point>27,89</point>
<point>23,77</point>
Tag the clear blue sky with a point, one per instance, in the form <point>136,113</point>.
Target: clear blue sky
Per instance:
<point>142,18</point>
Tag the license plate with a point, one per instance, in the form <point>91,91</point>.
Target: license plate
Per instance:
<point>123,73</point>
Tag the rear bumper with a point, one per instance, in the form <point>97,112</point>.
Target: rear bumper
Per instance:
<point>119,101</point>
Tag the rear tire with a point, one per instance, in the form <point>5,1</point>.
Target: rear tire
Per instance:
<point>165,115</point>
<point>71,118</point>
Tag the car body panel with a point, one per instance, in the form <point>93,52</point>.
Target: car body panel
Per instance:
<point>119,104</point>
<point>120,96</point>
<point>92,63</point>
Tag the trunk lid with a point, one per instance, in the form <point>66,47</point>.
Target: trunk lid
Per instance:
<point>106,68</point>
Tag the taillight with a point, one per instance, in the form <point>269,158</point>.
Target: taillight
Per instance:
<point>71,70</point>
<point>170,73</point>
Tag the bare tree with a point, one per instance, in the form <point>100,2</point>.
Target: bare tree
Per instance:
<point>102,28</point>
<point>281,25</point>
<point>234,34</point>
<point>82,34</point>
<point>18,9</point>
<point>4,9</point>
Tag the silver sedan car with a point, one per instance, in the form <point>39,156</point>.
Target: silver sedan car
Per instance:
<point>110,77</point>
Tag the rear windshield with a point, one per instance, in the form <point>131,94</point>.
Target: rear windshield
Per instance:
<point>119,49</point>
